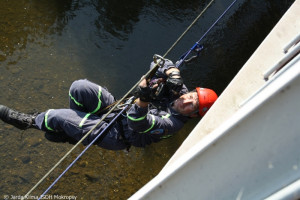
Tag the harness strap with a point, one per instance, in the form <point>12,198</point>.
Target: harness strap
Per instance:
<point>119,121</point>
<point>122,133</point>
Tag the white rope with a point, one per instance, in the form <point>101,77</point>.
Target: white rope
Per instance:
<point>188,28</point>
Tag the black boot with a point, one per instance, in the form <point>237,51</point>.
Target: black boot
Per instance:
<point>20,120</point>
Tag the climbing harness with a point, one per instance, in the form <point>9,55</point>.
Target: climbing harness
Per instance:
<point>107,108</point>
<point>149,74</point>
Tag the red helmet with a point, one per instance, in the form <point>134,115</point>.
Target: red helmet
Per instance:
<point>207,98</point>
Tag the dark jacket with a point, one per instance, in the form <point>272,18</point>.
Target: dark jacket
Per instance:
<point>158,121</point>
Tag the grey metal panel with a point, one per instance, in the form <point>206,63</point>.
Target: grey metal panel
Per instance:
<point>252,155</point>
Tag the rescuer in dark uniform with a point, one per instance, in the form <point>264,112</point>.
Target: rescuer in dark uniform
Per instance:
<point>149,119</point>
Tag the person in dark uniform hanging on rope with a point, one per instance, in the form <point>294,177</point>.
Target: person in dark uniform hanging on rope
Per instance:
<point>157,113</point>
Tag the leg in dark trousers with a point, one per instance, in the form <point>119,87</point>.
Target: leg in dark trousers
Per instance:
<point>85,99</point>
<point>89,97</point>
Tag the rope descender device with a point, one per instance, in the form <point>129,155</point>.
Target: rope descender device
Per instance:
<point>159,60</point>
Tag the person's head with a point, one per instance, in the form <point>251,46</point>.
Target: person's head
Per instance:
<point>195,103</point>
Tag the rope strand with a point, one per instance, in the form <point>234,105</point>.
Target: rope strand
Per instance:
<point>188,28</point>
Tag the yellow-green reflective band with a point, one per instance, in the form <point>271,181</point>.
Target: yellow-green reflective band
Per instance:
<point>166,116</point>
<point>165,137</point>
<point>84,119</point>
<point>153,123</point>
<point>99,101</point>
<point>46,120</point>
<point>77,103</point>
<point>135,120</point>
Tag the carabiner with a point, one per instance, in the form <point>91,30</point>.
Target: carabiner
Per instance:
<point>159,60</point>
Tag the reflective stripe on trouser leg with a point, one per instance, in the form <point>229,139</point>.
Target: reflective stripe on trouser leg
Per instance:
<point>46,120</point>
<point>88,97</point>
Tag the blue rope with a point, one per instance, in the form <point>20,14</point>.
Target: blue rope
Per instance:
<point>86,148</point>
<point>197,44</point>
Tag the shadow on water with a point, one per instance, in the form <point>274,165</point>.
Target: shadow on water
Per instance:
<point>46,45</point>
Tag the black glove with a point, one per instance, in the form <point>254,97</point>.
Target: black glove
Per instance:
<point>174,84</point>
<point>144,93</point>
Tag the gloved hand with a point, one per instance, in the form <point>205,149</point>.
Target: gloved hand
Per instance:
<point>174,82</point>
<point>143,91</point>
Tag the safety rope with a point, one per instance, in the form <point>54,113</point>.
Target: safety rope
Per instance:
<point>197,44</point>
<point>188,28</point>
<point>88,146</point>
<point>115,106</point>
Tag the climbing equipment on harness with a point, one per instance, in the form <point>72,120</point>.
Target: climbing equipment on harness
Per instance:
<point>196,48</point>
<point>172,84</point>
<point>207,98</point>
<point>159,61</point>
<point>109,107</point>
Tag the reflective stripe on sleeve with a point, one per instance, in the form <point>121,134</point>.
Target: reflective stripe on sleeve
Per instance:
<point>165,137</point>
<point>134,119</point>
<point>84,119</point>
<point>152,125</point>
<point>166,116</point>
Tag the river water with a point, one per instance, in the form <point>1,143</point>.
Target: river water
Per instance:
<point>46,45</point>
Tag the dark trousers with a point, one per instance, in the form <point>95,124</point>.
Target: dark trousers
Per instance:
<point>86,99</point>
